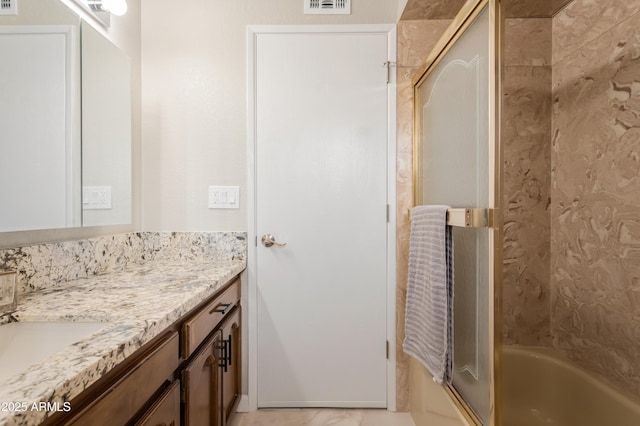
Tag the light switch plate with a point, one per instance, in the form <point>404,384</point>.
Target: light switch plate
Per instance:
<point>224,197</point>
<point>96,198</point>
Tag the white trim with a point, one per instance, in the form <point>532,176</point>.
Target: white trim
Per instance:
<point>332,404</point>
<point>329,29</point>
<point>391,227</point>
<point>243,405</point>
<point>73,136</point>
<point>250,325</point>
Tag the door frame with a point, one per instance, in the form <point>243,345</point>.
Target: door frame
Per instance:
<point>249,400</point>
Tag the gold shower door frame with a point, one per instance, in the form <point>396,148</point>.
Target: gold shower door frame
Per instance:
<point>465,17</point>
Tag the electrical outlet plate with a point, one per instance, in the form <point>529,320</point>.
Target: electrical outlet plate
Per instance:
<point>224,197</point>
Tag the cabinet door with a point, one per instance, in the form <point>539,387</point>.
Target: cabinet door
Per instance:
<point>231,365</point>
<point>203,385</point>
<point>166,410</point>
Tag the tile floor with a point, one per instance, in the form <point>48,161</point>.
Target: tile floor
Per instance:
<point>322,417</point>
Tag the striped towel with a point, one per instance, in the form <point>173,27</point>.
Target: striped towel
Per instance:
<point>429,313</point>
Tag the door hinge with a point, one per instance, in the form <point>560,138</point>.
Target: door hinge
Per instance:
<point>256,241</point>
<point>387,349</point>
<point>388,65</point>
<point>388,212</point>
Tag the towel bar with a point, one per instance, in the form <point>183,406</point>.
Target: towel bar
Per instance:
<point>469,218</point>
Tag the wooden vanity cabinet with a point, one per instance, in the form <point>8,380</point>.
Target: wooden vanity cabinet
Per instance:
<point>211,378</point>
<point>188,375</point>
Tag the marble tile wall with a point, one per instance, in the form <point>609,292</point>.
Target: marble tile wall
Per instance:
<point>51,265</point>
<point>532,8</point>
<point>173,246</point>
<point>526,139</point>
<point>416,39</point>
<point>527,42</point>
<point>447,9</point>
<point>595,197</point>
<point>422,10</point>
<point>583,21</point>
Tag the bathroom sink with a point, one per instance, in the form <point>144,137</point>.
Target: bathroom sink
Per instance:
<point>23,344</point>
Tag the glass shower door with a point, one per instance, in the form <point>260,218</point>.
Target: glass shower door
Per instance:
<point>455,165</point>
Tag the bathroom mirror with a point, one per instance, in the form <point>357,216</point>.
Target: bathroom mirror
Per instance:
<point>51,116</point>
<point>106,131</point>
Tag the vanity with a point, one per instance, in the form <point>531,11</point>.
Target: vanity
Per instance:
<point>193,364</point>
<point>169,352</point>
<point>151,321</point>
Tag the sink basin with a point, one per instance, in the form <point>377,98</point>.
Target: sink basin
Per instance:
<point>23,344</point>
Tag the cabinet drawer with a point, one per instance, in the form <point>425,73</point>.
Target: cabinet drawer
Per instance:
<point>166,410</point>
<point>198,327</point>
<point>118,404</point>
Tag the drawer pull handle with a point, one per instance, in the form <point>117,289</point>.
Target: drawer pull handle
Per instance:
<point>221,308</point>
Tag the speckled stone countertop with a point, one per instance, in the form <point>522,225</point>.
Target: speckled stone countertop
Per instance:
<point>137,303</point>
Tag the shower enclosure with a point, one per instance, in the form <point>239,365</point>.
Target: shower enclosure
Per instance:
<point>457,163</point>
<point>536,150</point>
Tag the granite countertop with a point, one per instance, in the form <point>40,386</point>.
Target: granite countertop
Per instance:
<point>138,303</point>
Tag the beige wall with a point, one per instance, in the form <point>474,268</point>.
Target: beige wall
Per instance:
<point>194,105</point>
<point>595,194</point>
<point>124,32</point>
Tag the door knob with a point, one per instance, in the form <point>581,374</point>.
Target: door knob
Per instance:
<point>269,240</point>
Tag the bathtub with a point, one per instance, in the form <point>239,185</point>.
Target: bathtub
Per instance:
<point>541,387</point>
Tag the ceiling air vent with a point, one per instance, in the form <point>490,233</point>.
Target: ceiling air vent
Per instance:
<point>8,7</point>
<point>327,7</point>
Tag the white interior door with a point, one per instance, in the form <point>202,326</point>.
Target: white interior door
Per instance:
<point>321,188</point>
<point>36,90</point>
